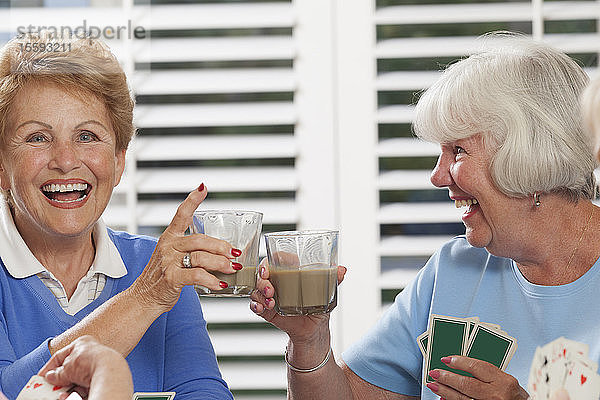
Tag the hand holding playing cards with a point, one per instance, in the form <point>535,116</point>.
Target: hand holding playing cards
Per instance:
<point>561,370</point>
<point>488,381</point>
<point>560,394</point>
<point>97,371</point>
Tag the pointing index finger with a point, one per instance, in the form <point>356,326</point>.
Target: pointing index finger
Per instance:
<point>183,217</point>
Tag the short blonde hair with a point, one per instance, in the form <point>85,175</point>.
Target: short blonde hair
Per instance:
<point>77,65</point>
<point>522,96</point>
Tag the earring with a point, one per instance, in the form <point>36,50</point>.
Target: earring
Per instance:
<point>536,199</point>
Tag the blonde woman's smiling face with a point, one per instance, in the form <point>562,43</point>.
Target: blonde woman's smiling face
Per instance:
<point>59,160</point>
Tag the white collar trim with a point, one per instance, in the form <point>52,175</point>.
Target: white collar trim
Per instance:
<point>21,263</point>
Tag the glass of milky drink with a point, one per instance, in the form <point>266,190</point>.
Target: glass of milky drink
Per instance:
<point>242,230</point>
<point>303,271</point>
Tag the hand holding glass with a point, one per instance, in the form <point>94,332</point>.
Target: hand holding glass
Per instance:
<point>242,230</point>
<point>303,271</point>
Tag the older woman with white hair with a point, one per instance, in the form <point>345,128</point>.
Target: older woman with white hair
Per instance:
<point>515,155</point>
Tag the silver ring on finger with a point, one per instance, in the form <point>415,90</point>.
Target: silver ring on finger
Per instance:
<point>187,261</point>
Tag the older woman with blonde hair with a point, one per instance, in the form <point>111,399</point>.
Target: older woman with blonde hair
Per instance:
<point>515,156</point>
<point>66,118</point>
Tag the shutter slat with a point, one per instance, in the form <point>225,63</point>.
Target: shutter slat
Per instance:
<point>160,213</point>
<point>405,180</point>
<point>394,246</point>
<point>216,16</point>
<point>574,42</point>
<point>464,45</point>
<point>397,114</point>
<point>214,49</point>
<point>397,278</point>
<point>243,179</point>
<point>265,342</point>
<point>226,114</point>
<point>406,147</point>
<point>453,13</point>
<point>227,310</point>
<point>567,10</point>
<point>214,147</point>
<point>419,213</point>
<point>426,47</point>
<point>255,375</point>
<point>214,81</point>
<point>233,179</point>
<point>73,17</point>
<point>406,80</point>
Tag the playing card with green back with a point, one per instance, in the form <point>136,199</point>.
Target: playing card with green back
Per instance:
<point>447,336</point>
<point>492,346</point>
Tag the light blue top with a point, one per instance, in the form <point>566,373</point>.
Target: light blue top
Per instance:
<point>463,281</point>
<point>175,354</point>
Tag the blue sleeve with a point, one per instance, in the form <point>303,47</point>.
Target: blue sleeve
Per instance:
<point>191,368</point>
<point>15,373</point>
<point>388,355</point>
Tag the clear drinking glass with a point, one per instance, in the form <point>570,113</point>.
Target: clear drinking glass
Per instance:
<point>303,271</point>
<point>242,230</point>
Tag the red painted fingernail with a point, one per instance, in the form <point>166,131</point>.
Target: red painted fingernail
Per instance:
<point>236,266</point>
<point>223,284</point>
<point>201,187</point>
<point>236,252</point>
<point>265,291</point>
<point>433,387</point>
<point>446,360</point>
<point>262,272</point>
<point>435,374</point>
<point>268,300</point>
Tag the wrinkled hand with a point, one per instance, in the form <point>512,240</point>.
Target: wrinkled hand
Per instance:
<point>82,360</point>
<point>302,327</point>
<point>488,381</point>
<point>164,276</point>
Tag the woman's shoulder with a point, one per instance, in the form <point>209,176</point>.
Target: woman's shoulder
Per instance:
<point>131,246</point>
<point>130,239</point>
<point>458,251</point>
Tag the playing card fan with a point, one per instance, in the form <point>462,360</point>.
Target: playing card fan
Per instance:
<point>465,337</point>
<point>563,365</point>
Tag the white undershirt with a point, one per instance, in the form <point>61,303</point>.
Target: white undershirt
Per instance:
<point>21,263</point>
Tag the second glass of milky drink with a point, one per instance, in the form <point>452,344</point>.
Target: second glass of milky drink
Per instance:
<point>303,271</point>
<point>242,230</point>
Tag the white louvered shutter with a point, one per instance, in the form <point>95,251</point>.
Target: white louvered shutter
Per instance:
<point>301,109</point>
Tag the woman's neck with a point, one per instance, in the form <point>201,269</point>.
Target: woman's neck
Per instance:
<point>560,243</point>
<point>67,258</point>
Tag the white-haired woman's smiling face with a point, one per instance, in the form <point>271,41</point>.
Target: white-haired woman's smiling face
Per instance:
<point>489,215</point>
<point>59,160</point>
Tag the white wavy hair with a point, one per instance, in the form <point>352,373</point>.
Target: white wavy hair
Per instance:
<point>591,110</point>
<point>522,96</point>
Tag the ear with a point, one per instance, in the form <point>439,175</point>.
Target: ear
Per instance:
<point>119,165</point>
